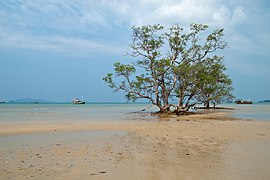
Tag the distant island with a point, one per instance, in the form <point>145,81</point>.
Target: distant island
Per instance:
<point>265,101</point>
<point>29,101</point>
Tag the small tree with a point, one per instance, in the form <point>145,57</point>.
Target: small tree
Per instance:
<point>169,64</point>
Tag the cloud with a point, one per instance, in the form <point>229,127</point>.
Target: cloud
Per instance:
<point>183,11</point>
<point>68,15</point>
<point>100,24</point>
<point>59,44</point>
<point>56,26</point>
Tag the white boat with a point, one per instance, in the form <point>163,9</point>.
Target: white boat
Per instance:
<point>78,101</point>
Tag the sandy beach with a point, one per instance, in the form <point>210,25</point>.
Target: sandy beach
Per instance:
<point>202,146</point>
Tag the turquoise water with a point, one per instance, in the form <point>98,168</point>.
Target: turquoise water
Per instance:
<point>105,112</point>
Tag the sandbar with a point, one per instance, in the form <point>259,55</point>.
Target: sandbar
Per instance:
<point>201,146</point>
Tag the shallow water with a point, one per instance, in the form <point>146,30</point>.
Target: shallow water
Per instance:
<point>105,112</point>
<point>68,112</point>
<point>259,111</point>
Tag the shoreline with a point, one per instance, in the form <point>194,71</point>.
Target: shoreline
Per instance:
<point>139,118</point>
<point>201,146</point>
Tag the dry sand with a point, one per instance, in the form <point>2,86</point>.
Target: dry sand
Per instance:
<point>206,146</point>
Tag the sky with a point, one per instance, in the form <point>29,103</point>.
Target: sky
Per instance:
<point>59,50</point>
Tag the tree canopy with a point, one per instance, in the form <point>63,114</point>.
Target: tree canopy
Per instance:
<point>174,66</point>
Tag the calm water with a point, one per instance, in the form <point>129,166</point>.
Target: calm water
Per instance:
<point>104,112</point>
<point>259,111</point>
<point>68,112</point>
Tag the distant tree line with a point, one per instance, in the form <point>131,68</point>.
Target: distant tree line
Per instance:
<point>174,66</point>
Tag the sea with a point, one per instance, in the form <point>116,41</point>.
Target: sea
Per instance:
<point>61,112</point>
<point>255,111</point>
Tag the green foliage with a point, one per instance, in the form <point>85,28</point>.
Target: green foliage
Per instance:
<point>175,65</point>
<point>213,85</point>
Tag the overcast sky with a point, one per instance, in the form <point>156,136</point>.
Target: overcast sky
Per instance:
<point>58,50</point>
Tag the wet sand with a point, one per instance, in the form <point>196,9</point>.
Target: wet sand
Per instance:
<point>206,146</point>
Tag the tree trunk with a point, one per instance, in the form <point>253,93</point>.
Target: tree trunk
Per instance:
<point>207,105</point>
